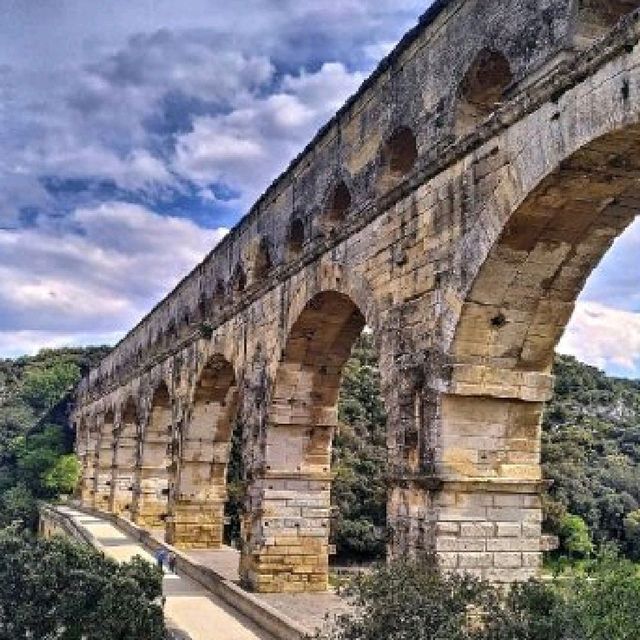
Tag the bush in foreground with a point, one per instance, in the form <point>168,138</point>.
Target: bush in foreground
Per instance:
<point>57,589</point>
<point>414,601</point>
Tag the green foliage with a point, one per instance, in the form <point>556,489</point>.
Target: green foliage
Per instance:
<point>574,536</point>
<point>63,477</point>
<point>236,489</point>
<point>359,490</point>
<point>56,589</point>
<point>411,600</point>
<point>632,534</point>
<point>42,387</point>
<point>605,603</point>
<point>591,450</point>
<point>18,507</point>
<point>35,441</point>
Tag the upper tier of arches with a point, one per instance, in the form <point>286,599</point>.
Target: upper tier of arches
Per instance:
<point>429,97</point>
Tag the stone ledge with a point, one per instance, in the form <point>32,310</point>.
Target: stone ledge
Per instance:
<point>485,485</point>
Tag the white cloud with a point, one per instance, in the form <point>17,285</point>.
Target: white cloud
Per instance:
<point>604,337</point>
<point>17,343</point>
<point>248,147</point>
<point>615,280</point>
<point>96,274</point>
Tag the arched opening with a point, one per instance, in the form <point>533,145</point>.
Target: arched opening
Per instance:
<point>263,262</point>
<point>125,460</point>
<point>86,450</point>
<point>338,206</point>
<point>482,89</point>
<point>359,466</point>
<point>399,156</point>
<point>198,511</point>
<point>104,470</point>
<point>296,239</point>
<point>155,470</point>
<point>517,306</point>
<point>302,420</point>
<point>596,18</point>
<point>219,293</point>
<point>238,280</point>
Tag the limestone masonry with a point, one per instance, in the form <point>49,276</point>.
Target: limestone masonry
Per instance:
<point>455,205</point>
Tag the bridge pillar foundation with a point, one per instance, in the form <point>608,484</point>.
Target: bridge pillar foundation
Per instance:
<point>150,508</point>
<point>481,509</point>
<point>122,492</point>
<point>196,525</point>
<point>491,529</point>
<point>102,498</point>
<point>287,540</point>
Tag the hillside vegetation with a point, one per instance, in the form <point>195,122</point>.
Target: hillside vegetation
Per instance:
<point>591,450</point>
<point>35,440</point>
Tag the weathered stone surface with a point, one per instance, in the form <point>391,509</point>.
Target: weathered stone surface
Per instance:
<point>456,206</point>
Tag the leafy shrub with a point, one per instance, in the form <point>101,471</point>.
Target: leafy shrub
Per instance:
<point>52,589</point>
<point>412,600</point>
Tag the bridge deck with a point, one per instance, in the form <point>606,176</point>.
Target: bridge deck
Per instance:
<point>188,606</point>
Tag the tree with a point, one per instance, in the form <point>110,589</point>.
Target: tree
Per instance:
<point>37,455</point>
<point>632,534</point>
<point>57,589</point>
<point>63,477</point>
<point>43,387</point>
<point>574,536</point>
<point>18,507</point>
<point>605,603</point>
<point>412,600</point>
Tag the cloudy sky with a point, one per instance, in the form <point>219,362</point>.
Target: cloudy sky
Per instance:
<point>134,134</point>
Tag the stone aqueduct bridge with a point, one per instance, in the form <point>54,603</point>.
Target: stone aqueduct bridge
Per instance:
<point>456,206</point>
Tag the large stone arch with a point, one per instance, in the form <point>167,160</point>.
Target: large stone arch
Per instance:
<point>154,473</point>
<point>286,538</point>
<point>104,461</point>
<point>499,360</point>
<point>197,514</point>
<point>441,263</point>
<point>126,458</point>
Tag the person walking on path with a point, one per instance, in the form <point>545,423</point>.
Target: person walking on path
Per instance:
<point>160,557</point>
<point>171,560</point>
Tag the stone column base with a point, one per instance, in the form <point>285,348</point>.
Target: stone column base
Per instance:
<point>286,538</point>
<point>490,528</point>
<point>87,495</point>
<point>150,513</point>
<point>122,493</point>
<point>287,564</point>
<point>196,525</point>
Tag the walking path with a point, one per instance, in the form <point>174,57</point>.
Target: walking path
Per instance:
<point>313,610</point>
<point>188,606</point>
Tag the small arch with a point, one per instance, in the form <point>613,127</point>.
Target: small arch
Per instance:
<point>125,459</point>
<point>338,205</point>
<point>155,470</point>
<point>105,458</point>
<point>220,290</point>
<point>263,262</point>
<point>238,279</point>
<point>204,456</point>
<point>296,239</point>
<point>595,18</point>
<point>399,156</point>
<point>482,89</point>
